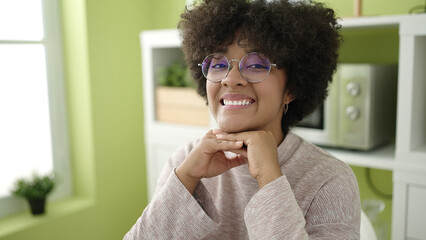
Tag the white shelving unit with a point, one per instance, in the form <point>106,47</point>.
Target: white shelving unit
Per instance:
<point>161,48</point>
<point>406,158</point>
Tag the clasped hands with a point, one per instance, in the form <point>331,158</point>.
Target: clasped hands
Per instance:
<point>207,159</point>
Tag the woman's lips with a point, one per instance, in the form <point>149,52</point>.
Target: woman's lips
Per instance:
<point>236,101</point>
<point>231,102</point>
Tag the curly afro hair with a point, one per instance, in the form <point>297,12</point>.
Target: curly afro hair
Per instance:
<point>300,37</point>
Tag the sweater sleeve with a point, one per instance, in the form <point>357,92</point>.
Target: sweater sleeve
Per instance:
<point>273,213</point>
<point>174,213</point>
<point>334,213</point>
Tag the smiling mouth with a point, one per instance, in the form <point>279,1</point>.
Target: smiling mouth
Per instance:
<point>239,102</point>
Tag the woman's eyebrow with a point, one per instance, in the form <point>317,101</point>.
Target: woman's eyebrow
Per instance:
<point>225,50</point>
<point>250,50</point>
<point>222,50</point>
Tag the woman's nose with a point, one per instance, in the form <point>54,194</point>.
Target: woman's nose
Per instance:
<point>234,77</point>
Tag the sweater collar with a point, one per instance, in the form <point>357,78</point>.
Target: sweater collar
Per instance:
<point>287,147</point>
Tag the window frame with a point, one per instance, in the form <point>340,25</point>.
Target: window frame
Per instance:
<point>52,41</point>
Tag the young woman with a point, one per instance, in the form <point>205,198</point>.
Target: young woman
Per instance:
<point>262,67</point>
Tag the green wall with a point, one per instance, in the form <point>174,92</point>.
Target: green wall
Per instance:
<point>105,110</point>
<point>382,181</point>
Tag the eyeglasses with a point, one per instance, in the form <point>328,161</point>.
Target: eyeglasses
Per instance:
<point>253,67</point>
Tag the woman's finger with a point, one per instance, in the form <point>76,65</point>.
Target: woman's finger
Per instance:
<point>234,152</point>
<point>232,136</point>
<point>237,161</point>
<point>225,145</point>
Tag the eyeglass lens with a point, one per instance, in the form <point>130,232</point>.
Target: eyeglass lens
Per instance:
<point>254,67</point>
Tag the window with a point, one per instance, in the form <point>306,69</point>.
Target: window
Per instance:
<point>33,129</point>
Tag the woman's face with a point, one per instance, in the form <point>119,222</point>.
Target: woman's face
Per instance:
<point>265,98</point>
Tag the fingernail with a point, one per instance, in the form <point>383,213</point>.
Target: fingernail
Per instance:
<point>219,135</point>
<point>215,131</point>
<point>239,142</point>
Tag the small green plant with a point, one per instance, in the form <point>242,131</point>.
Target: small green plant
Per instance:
<point>175,75</point>
<point>35,191</point>
<point>37,187</point>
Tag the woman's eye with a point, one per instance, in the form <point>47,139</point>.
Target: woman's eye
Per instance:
<point>257,66</point>
<point>219,66</point>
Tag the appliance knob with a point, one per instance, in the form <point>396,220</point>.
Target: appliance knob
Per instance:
<point>352,113</point>
<point>353,88</point>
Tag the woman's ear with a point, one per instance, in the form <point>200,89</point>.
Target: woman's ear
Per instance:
<point>288,97</point>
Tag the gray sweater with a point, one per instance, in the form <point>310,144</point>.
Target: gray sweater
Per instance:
<point>316,198</point>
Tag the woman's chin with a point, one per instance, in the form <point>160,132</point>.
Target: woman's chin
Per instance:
<point>232,128</point>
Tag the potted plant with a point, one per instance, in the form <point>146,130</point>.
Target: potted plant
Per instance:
<point>35,191</point>
<point>175,75</point>
<point>177,100</point>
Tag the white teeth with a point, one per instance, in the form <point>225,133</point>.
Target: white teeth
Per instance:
<point>230,102</point>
